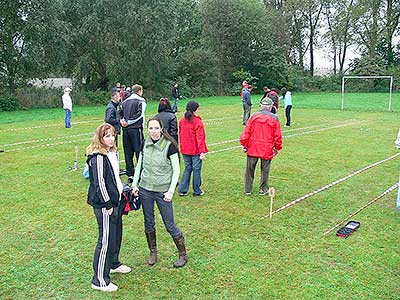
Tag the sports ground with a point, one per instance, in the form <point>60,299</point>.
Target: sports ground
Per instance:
<point>333,161</point>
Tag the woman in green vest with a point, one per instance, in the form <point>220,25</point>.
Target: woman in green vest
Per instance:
<point>156,183</point>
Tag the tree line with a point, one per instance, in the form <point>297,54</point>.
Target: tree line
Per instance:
<point>208,46</point>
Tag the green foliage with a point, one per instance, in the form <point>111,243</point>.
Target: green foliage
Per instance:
<point>9,103</point>
<point>198,72</point>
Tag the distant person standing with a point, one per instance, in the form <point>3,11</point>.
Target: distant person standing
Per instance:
<point>111,114</point>
<point>245,85</point>
<point>67,105</point>
<point>176,96</point>
<point>168,118</point>
<point>132,120</point>
<point>192,138</point>
<point>273,95</point>
<point>246,99</point>
<point>287,99</point>
<point>261,139</point>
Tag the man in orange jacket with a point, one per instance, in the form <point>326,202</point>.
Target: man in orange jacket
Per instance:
<point>261,138</point>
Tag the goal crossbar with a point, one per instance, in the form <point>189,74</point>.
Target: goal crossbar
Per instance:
<point>369,77</point>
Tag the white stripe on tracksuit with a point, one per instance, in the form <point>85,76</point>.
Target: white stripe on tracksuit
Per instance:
<point>100,177</point>
<point>106,222</point>
<point>103,253</point>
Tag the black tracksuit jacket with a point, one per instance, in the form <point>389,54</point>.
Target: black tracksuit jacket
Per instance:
<point>103,190</point>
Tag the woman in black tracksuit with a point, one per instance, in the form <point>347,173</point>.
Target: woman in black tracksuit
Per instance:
<point>104,195</point>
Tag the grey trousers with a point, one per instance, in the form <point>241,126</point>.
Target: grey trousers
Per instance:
<point>246,113</point>
<point>249,176</point>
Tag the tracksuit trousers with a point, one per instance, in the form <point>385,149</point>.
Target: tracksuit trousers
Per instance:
<point>132,141</point>
<point>106,254</point>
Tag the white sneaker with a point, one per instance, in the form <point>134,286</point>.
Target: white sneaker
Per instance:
<point>111,287</point>
<point>121,269</point>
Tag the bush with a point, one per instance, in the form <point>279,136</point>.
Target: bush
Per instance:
<point>9,103</point>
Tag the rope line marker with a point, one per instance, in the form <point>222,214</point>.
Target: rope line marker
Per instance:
<point>321,189</point>
<point>46,139</point>
<point>284,136</point>
<point>211,152</point>
<point>389,190</point>
<point>47,126</point>
<point>48,145</point>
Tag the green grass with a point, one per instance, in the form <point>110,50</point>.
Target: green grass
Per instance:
<point>49,232</point>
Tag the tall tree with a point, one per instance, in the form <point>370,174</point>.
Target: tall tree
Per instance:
<point>392,24</point>
<point>28,34</point>
<point>338,15</point>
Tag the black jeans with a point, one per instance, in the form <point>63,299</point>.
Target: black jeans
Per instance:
<point>287,113</point>
<point>132,141</point>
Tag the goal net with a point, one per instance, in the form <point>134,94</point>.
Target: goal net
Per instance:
<point>347,79</point>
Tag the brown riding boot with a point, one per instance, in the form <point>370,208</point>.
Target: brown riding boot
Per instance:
<point>152,243</point>
<point>180,244</point>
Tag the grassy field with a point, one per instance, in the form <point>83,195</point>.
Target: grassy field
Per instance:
<point>49,232</point>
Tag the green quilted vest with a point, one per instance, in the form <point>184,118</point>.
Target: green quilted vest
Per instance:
<point>157,168</point>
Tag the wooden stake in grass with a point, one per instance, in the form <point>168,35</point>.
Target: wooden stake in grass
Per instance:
<point>76,159</point>
<point>271,193</point>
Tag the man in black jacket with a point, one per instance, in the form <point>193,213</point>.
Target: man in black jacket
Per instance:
<point>111,115</point>
<point>132,121</point>
<point>176,96</point>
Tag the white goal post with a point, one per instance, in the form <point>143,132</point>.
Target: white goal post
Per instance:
<point>369,77</point>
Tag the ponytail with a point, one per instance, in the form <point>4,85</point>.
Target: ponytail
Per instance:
<point>191,107</point>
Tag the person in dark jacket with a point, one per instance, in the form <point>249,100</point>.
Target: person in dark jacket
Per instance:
<point>104,195</point>
<point>111,114</point>
<point>176,96</point>
<point>132,120</point>
<point>168,118</point>
<point>246,104</point>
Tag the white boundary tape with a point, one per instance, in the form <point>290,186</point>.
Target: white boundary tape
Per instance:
<point>389,190</point>
<point>211,152</point>
<point>283,136</point>
<point>47,126</point>
<point>48,145</point>
<point>92,121</point>
<point>325,187</point>
<point>46,139</point>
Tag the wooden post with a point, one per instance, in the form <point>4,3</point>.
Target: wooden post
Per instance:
<point>271,193</point>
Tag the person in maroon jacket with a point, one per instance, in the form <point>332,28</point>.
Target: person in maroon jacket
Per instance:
<point>261,139</point>
<point>193,147</point>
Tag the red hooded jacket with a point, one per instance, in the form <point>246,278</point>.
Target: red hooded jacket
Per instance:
<point>192,136</point>
<point>262,135</point>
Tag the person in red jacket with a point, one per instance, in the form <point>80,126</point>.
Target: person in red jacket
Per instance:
<point>261,139</point>
<point>193,147</point>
